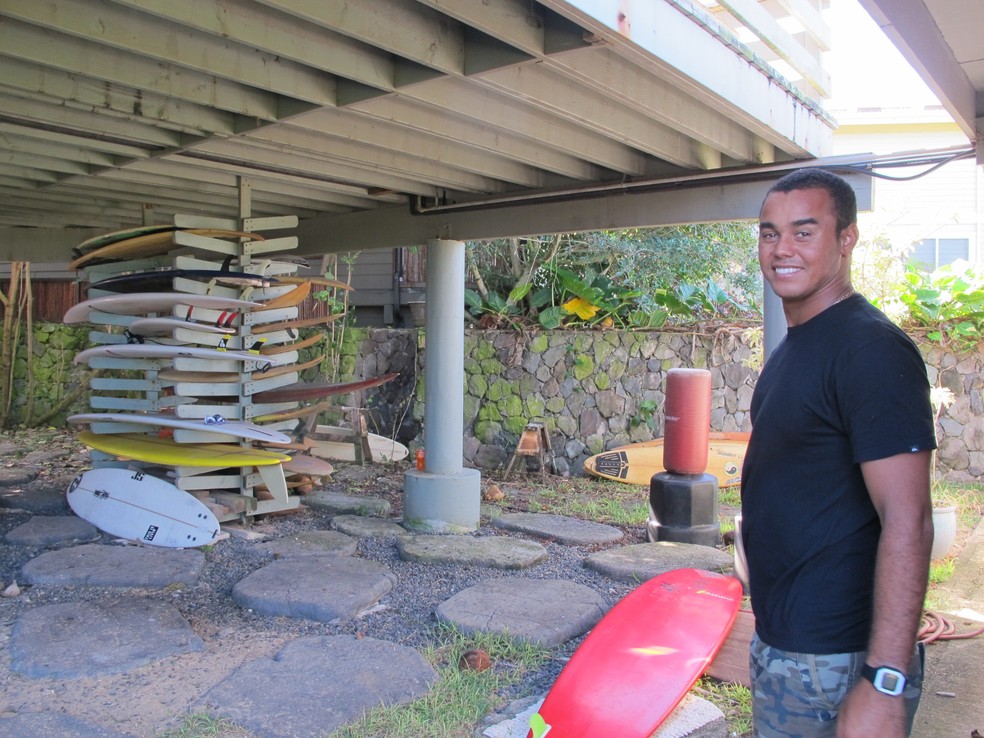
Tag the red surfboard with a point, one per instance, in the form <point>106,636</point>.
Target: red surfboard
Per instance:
<point>642,658</point>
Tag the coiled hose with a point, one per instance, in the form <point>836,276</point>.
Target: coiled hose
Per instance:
<point>936,627</point>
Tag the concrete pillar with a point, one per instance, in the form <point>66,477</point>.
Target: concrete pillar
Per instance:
<point>444,497</point>
<point>773,320</point>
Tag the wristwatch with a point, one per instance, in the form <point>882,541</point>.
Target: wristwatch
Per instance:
<point>886,679</point>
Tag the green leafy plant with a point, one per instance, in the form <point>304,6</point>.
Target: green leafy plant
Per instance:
<point>949,301</point>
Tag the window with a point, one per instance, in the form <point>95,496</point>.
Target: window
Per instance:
<point>931,253</point>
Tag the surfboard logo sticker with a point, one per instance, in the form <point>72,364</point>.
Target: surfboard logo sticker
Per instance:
<point>731,469</point>
<point>151,533</point>
<point>75,484</point>
<point>614,464</point>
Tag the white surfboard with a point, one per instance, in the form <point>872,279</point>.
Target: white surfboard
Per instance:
<point>211,426</point>
<point>168,326</point>
<point>136,506</point>
<point>142,303</point>
<point>337,445</point>
<point>157,351</point>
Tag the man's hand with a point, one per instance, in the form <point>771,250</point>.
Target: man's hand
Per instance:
<point>866,713</point>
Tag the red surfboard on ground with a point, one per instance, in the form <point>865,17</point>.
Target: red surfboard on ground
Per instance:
<point>642,658</point>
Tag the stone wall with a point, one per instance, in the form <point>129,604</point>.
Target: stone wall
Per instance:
<point>592,390</point>
<point>598,390</point>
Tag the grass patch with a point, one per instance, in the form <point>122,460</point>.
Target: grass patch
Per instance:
<point>734,700</point>
<point>459,698</point>
<point>199,725</point>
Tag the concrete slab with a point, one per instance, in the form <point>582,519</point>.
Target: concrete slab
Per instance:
<point>47,498</point>
<point>499,552</point>
<point>52,530</point>
<point>363,527</point>
<point>348,504</point>
<point>98,565</point>
<point>694,717</point>
<point>52,725</point>
<point>953,691</point>
<point>642,561</point>
<point>544,611</point>
<point>308,543</point>
<point>560,528</point>
<point>75,639</point>
<point>16,475</point>
<point>323,588</point>
<point>313,686</point>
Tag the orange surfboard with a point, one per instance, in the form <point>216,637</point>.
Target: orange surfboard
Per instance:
<point>642,658</point>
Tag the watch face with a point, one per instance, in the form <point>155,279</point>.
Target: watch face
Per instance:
<point>889,681</point>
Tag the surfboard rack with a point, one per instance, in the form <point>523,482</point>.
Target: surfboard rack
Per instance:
<point>533,443</point>
<point>221,245</point>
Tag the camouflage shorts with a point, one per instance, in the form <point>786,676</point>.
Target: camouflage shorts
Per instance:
<point>797,695</point>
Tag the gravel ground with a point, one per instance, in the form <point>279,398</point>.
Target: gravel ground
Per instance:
<point>235,635</point>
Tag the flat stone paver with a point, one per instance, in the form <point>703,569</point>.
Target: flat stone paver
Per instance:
<point>315,685</point>
<point>98,565</point>
<point>41,499</point>
<point>363,527</point>
<point>323,588</point>
<point>544,611</point>
<point>75,639</point>
<point>499,552</point>
<point>560,528</point>
<point>694,717</point>
<point>642,561</point>
<point>308,543</point>
<point>53,725</point>
<point>50,530</point>
<point>348,504</point>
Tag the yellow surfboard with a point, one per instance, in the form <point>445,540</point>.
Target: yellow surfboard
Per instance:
<point>638,462</point>
<point>165,451</point>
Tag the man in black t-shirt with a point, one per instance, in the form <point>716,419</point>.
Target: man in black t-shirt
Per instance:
<point>837,520</point>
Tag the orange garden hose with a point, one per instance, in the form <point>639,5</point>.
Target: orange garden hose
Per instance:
<point>936,627</point>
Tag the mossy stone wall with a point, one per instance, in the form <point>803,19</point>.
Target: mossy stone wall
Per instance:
<point>592,390</point>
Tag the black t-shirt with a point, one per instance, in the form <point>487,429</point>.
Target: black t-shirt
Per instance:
<point>845,387</point>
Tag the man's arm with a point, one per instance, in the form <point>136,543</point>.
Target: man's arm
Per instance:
<point>899,490</point>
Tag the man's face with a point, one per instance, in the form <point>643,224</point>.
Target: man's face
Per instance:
<point>803,257</point>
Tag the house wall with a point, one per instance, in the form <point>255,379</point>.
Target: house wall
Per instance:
<point>946,203</point>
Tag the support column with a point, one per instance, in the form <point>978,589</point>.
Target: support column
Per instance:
<point>773,320</point>
<point>444,497</point>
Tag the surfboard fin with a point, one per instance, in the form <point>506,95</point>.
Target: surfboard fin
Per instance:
<point>539,726</point>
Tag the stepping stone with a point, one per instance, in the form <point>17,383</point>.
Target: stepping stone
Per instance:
<point>642,561</point>
<point>324,588</point>
<point>46,498</point>
<point>16,475</point>
<point>348,504</point>
<point>363,527</point>
<point>76,639</point>
<point>544,611</point>
<point>309,543</point>
<point>560,528</point>
<point>52,530</point>
<point>51,724</point>
<point>97,565</point>
<point>313,686</point>
<point>499,552</point>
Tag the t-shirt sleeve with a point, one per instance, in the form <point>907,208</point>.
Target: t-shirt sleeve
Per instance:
<point>883,397</point>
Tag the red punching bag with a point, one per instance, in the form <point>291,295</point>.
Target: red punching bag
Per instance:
<point>688,421</point>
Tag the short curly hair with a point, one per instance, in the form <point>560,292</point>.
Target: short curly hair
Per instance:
<point>841,193</point>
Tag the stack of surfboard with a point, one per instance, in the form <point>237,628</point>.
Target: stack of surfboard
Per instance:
<point>197,327</point>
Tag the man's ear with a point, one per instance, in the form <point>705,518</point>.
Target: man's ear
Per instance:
<point>848,238</point>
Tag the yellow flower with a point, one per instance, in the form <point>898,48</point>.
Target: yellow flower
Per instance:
<point>581,308</point>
